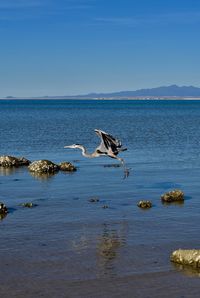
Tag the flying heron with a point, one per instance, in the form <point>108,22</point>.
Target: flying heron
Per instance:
<point>109,146</point>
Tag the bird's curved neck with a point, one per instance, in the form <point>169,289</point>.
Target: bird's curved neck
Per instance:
<point>86,153</point>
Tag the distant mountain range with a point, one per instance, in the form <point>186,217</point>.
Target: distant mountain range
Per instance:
<point>159,92</point>
<point>164,91</point>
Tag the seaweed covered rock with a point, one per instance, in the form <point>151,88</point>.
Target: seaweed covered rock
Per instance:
<point>8,161</point>
<point>189,257</point>
<point>67,166</point>
<point>3,209</point>
<point>43,166</point>
<point>144,204</point>
<point>173,196</point>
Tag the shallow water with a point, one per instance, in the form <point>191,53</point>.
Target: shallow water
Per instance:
<point>66,238</point>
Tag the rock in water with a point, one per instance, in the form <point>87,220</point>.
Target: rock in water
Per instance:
<point>28,205</point>
<point>173,196</point>
<point>3,208</point>
<point>67,166</point>
<point>93,200</point>
<point>189,257</point>
<point>11,161</point>
<point>43,166</point>
<point>144,204</point>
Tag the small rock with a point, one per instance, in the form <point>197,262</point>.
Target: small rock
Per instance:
<point>43,166</point>
<point>173,196</point>
<point>105,206</point>
<point>3,208</point>
<point>93,200</point>
<point>28,205</point>
<point>67,166</point>
<point>189,257</point>
<point>144,204</point>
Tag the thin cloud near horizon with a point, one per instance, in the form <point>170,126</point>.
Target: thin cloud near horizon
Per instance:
<point>17,4</point>
<point>179,17</point>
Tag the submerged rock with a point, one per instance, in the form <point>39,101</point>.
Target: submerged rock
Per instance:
<point>108,247</point>
<point>93,200</point>
<point>112,165</point>
<point>189,257</point>
<point>11,161</point>
<point>43,166</point>
<point>67,166</point>
<point>3,209</point>
<point>105,206</point>
<point>144,204</point>
<point>173,196</point>
<point>28,205</point>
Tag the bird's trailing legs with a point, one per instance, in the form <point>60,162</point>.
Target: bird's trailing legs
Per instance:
<point>126,170</point>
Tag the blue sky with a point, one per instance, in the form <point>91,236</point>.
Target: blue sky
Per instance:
<point>66,47</point>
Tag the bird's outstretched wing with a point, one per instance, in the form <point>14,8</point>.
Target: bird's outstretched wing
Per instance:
<point>108,143</point>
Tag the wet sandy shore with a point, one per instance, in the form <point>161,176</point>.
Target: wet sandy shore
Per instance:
<point>154,285</point>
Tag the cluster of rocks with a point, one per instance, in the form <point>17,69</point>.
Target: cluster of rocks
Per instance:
<point>184,257</point>
<point>39,166</point>
<point>47,166</point>
<point>96,200</point>
<point>176,195</point>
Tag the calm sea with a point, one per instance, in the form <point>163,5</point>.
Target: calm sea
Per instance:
<point>73,239</point>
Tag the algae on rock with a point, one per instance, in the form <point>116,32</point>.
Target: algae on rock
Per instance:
<point>173,196</point>
<point>67,166</point>
<point>8,161</point>
<point>189,257</point>
<point>43,166</point>
<point>144,204</point>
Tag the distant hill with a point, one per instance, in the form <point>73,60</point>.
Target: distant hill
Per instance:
<point>173,90</point>
<point>159,92</point>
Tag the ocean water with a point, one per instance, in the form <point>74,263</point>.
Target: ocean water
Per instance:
<point>68,238</point>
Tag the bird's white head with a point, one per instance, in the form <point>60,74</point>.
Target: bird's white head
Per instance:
<point>73,146</point>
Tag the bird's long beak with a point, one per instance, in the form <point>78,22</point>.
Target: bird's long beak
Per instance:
<point>70,146</point>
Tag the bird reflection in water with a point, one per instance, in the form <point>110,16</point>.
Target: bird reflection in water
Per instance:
<point>108,249</point>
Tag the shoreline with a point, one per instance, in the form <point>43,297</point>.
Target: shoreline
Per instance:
<point>150,98</point>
